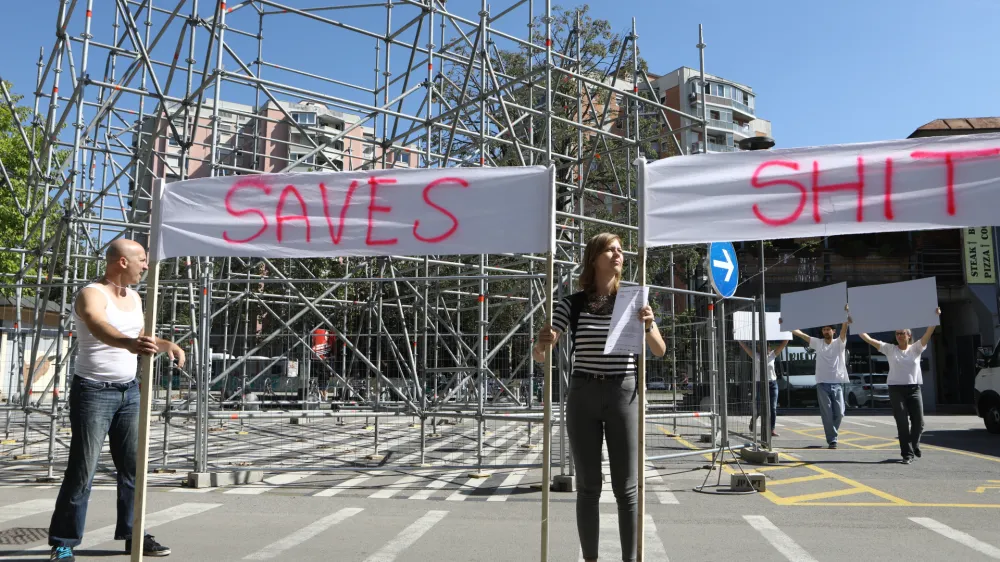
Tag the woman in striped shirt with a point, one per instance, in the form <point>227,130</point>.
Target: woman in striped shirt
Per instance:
<point>602,397</point>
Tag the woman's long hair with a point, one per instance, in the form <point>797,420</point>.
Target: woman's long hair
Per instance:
<point>595,246</point>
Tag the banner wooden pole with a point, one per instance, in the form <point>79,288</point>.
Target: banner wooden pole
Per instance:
<point>146,382</point>
<point>640,382</point>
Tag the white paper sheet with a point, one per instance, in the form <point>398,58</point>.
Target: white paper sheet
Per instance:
<point>893,306</point>
<point>816,307</point>
<point>626,331</point>
<point>745,326</point>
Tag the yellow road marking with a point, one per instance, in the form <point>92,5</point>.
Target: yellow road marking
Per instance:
<point>796,480</point>
<point>790,500</point>
<point>855,486</point>
<point>859,485</point>
<point>982,489</point>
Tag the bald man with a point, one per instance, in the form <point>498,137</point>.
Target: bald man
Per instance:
<point>104,397</point>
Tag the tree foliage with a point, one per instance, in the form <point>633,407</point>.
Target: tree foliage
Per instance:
<point>23,193</point>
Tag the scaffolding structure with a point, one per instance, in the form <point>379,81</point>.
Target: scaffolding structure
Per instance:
<point>387,351</point>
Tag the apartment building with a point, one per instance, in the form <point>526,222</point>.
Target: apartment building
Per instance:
<point>730,109</point>
<point>280,137</point>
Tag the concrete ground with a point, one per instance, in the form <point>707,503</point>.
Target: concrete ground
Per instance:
<point>854,503</point>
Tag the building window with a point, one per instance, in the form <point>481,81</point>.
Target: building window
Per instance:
<point>304,118</point>
<point>294,157</point>
<point>713,114</point>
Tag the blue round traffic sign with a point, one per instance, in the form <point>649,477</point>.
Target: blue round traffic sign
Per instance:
<point>722,268</point>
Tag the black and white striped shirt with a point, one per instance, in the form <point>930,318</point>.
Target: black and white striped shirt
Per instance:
<point>591,336</point>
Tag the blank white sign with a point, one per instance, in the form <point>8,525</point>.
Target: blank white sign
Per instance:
<point>894,306</point>
<point>816,307</point>
<point>745,326</point>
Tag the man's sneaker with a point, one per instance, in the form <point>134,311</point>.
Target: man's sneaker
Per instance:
<point>63,554</point>
<point>149,547</point>
<point>916,450</point>
<point>833,445</point>
<point>774,433</point>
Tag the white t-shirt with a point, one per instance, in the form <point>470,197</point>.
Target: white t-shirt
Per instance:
<point>772,375</point>
<point>904,366</point>
<point>831,360</point>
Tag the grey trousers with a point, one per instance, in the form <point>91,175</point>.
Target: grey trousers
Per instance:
<point>595,408</point>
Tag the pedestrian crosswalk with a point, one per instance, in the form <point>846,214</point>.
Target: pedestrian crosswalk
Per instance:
<point>413,534</point>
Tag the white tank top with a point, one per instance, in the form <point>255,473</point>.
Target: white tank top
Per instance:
<point>99,361</point>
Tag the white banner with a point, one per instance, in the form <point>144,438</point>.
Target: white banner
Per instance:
<point>824,306</point>
<point>894,306</point>
<point>913,184</point>
<point>361,213</point>
<point>745,326</point>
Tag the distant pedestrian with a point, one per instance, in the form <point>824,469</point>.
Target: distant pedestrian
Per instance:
<point>104,398</point>
<point>905,378</point>
<point>771,389</point>
<point>831,376</point>
<point>603,402</point>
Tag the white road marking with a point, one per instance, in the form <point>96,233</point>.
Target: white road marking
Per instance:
<point>436,484</point>
<point>25,509</point>
<point>407,537</point>
<point>107,533</point>
<point>397,486</point>
<point>270,483</point>
<point>958,536</point>
<point>778,539</point>
<point>334,490</point>
<point>466,489</point>
<point>609,545</point>
<point>659,487</point>
<point>302,535</point>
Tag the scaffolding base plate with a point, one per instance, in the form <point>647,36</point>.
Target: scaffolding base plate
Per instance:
<point>759,456</point>
<point>218,479</point>
<point>563,483</point>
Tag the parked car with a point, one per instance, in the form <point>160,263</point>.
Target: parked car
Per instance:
<point>987,388</point>
<point>656,383</point>
<point>867,389</point>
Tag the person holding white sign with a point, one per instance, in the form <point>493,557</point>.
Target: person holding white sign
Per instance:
<point>104,398</point>
<point>905,378</point>
<point>603,400</point>
<point>772,381</point>
<point>831,376</point>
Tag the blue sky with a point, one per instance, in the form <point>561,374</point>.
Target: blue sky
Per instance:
<point>824,72</point>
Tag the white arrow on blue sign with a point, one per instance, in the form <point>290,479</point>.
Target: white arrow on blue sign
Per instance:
<point>722,268</point>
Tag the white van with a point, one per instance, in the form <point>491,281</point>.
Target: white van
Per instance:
<point>987,390</point>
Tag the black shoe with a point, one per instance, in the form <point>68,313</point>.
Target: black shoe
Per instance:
<point>907,460</point>
<point>63,554</point>
<point>149,547</point>
<point>916,451</point>
<point>833,445</point>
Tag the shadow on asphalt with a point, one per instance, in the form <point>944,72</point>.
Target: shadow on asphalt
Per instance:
<point>970,440</point>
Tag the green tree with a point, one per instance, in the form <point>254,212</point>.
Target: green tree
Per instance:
<point>22,195</point>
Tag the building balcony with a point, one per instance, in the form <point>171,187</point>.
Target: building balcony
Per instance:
<point>736,106</point>
<point>743,130</point>
<point>696,148</point>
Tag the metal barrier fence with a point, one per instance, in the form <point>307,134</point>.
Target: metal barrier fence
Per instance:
<point>303,410</point>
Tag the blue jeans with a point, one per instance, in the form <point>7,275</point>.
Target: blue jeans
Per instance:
<point>772,394</point>
<point>96,410</point>
<point>831,408</point>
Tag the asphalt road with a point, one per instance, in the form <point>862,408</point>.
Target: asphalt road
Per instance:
<point>854,503</point>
